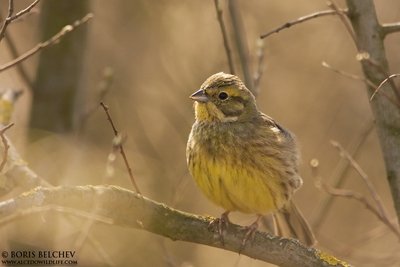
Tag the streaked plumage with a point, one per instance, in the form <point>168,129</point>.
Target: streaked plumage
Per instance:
<point>242,159</point>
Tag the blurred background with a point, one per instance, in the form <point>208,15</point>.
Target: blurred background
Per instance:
<point>143,59</point>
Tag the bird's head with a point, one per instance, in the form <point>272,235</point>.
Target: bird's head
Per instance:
<point>223,97</point>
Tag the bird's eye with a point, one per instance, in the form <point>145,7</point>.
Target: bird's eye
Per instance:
<point>223,96</point>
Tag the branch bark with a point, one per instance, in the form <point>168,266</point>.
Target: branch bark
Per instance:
<point>145,214</point>
<point>370,37</point>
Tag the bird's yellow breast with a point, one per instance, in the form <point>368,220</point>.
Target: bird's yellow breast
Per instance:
<point>233,174</point>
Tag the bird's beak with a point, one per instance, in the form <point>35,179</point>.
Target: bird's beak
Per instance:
<point>199,96</point>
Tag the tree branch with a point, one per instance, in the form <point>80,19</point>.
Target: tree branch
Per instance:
<point>337,192</point>
<point>300,20</point>
<point>362,16</point>
<point>388,28</point>
<point>380,208</point>
<point>145,214</point>
<point>53,40</point>
<point>25,11</point>
<point>10,17</point>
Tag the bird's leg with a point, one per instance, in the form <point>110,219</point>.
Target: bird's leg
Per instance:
<point>221,224</point>
<point>251,229</point>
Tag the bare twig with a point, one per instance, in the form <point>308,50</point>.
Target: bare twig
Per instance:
<point>224,36</point>
<point>388,28</point>
<point>53,40</point>
<point>366,58</point>
<point>344,19</point>
<point>356,77</point>
<point>8,19</point>
<point>338,176</point>
<point>121,148</point>
<point>241,42</point>
<point>300,20</point>
<point>382,83</point>
<point>5,145</point>
<point>25,11</point>
<point>357,196</point>
<point>348,75</point>
<point>363,175</point>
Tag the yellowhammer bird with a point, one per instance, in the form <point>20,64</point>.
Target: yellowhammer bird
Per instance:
<point>242,159</point>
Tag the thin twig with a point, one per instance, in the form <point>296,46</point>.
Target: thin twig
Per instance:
<point>24,11</point>
<point>241,42</point>
<point>382,83</point>
<point>8,19</point>
<point>366,58</point>
<point>343,153</point>
<point>356,77</point>
<point>121,148</point>
<point>300,20</point>
<point>348,75</point>
<point>388,28</point>
<point>338,176</point>
<point>357,196</point>
<point>5,145</point>
<point>344,19</point>
<point>53,40</point>
<point>224,36</point>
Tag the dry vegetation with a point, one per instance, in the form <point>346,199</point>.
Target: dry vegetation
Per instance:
<point>155,54</point>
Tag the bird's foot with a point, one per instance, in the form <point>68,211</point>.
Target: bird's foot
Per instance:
<point>251,229</point>
<point>220,224</point>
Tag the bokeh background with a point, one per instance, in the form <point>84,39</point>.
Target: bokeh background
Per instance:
<point>157,53</point>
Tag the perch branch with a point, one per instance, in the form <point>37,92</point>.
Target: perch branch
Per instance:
<point>224,34</point>
<point>145,214</point>
<point>52,41</point>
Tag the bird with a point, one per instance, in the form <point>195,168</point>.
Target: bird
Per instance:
<point>243,160</point>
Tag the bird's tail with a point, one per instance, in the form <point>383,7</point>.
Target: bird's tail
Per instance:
<point>291,223</point>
